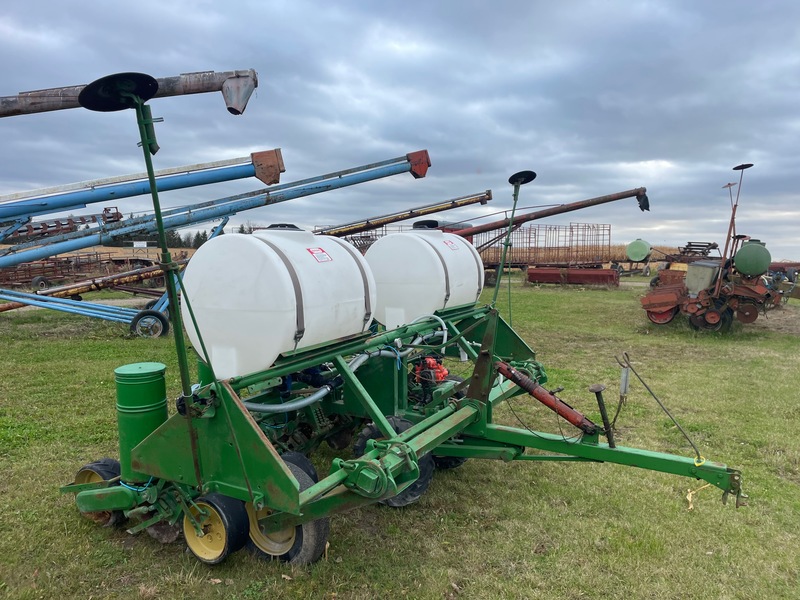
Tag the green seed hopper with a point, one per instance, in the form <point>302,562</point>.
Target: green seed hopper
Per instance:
<point>230,469</point>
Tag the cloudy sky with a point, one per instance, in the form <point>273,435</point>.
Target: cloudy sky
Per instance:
<point>597,97</point>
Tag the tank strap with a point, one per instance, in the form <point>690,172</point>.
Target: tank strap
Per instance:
<point>300,327</point>
<point>364,280</point>
<point>479,265</point>
<point>444,267</point>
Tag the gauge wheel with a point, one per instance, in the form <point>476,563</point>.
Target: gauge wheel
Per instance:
<point>104,469</point>
<point>150,323</point>
<point>224,525</point>
<point>413,492</point>
<point>301,460</point>
<point>297,545</point>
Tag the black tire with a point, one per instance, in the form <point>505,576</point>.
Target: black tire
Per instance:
<point>150,304</point>
<point>302,546</point>
<point>426,463</point>
<point>646,271</point>
<point>39,283</point>
<point>451,462</point>
<point>301,460</point>
<point>654,282</point>
<point>150,323</point>
<point>104,469</point>
<point>226,529</point>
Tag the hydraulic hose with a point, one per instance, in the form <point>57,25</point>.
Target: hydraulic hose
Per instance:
<point>289,406</point>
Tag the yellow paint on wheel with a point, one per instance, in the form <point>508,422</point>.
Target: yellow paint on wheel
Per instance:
<point>212,544</point>
<point>275,543</point>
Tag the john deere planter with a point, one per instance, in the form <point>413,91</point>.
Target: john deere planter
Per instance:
<point>229,467</point>
<point>302,341</point>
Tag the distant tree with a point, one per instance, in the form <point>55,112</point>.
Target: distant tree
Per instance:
<point>241,229</point>
<point>197,240</point>
<point>174,239</point>
<point>188,240</point>
<point>203,237</point>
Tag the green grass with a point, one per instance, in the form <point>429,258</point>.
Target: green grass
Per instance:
<point>485,530</point>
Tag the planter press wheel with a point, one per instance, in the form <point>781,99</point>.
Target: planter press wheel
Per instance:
<point>662,318</point>
<point>426,464</point>
<point>150,323</point>
<point>224,526</point>
<point>299,545</point>
<point>104,469</point>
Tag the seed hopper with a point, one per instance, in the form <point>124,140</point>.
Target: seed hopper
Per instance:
<point>319,344</point>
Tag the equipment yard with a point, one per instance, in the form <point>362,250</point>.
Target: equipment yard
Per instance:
<point>484,530</point>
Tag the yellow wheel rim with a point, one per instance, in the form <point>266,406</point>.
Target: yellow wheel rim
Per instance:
<point>275,543</point>
<point>88,476</point>
<point>211,546</point>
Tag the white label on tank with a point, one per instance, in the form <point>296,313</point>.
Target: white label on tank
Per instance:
<point>320,255</point>
<point>451,244</point>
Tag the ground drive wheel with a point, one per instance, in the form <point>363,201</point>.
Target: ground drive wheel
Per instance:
<point>224,527</point>
<point>426,465</point>
<point>104,469</point>
<point>299,545</point>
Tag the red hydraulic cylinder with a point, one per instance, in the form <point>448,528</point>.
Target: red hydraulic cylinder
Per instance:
<point>552,402</point>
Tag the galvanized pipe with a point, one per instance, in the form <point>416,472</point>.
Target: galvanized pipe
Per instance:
<point>549,212</point>
<point>62,98</point>
<point>377,222</point>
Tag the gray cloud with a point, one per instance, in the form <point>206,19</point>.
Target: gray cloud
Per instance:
<point>597,97</point>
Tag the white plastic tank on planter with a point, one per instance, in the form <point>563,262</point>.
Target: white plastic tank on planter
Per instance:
<point>420,272</point>
<point>257,296</point>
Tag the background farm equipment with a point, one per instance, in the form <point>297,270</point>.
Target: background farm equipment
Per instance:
<point>710,292</point>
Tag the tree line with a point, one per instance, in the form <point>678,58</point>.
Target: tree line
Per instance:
<point>174,239</point>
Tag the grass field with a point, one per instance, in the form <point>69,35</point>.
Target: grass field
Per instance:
<point>486,530</point>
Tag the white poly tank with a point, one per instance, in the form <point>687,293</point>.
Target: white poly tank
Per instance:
<point>257,296</point>
<point>419,272</point>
